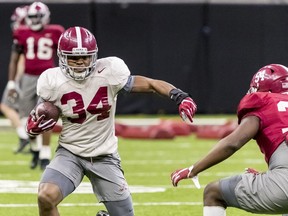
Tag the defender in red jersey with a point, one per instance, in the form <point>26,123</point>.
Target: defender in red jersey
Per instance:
<point>263,116</point>
<point>38,43</point>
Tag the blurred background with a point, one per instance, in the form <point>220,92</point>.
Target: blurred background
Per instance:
<point>210,49</point>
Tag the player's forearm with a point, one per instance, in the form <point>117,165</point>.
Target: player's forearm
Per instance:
<point>12,72</point>
<point>161,87</point>
<point>148,85</point>
<point>227,146</point>
<point>219,153</point>
<point>12,68</point>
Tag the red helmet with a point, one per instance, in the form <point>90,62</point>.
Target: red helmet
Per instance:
<point>77,41</point>
<point>38,15</point>
<point>270,78</point>
<point>18,17</point>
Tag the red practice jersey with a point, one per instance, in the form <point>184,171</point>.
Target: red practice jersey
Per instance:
<point>38,47</point>
<point>272,110</point>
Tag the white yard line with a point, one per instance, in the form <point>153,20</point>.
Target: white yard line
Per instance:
<point>145,162</point>
<point>11,205</point>
<point>30,187</point>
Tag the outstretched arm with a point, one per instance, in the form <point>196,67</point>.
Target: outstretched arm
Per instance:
<point>186,105</point>
<point>146,85</point>
<point>225,148</point>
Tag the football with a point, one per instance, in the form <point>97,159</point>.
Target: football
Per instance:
<point>48,109</point>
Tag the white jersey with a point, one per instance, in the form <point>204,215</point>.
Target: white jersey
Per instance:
<point>88,106</point>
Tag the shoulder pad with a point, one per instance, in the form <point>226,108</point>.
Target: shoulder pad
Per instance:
<point>251,102</point>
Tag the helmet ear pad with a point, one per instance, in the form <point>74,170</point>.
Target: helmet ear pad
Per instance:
<point>270,78</point>
<point>77,42</point>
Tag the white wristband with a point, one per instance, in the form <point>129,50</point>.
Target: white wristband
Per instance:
<point>11,84</point>
<point>195,178</point>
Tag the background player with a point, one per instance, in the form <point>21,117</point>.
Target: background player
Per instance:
<point>86,93</point>
<point>262,116</point>
<point>10,105</point>
<point>38,42</point>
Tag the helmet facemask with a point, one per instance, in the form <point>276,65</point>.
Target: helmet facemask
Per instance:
<point>75,72</point>
<point>252,89</point>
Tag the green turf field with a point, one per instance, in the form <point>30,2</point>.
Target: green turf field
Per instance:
<point>147,165</point>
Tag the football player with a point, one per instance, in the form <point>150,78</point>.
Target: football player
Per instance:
<point>9,105</point>
<point>37,41</point>
<point>263,116</point>
<point>85,89</point>
<point>18,17</point>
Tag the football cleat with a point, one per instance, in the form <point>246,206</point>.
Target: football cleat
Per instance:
<point>35,159</point>
<point>44,163</point>
<point>22,144</point>
<point>102,213</point>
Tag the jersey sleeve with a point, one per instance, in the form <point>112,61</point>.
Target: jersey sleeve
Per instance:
<point>250,103</point>
<point>58,28</point>
<point>119,74</point>
<point>16,36</point>
<point>18,41</point>
<point>46,86</point>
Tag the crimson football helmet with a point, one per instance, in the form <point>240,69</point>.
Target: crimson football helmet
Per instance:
<point>270,78</point>
<point>18,17</point>
<point>38,15</point>
<point>77,42</point>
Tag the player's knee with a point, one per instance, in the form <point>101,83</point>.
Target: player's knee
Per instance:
<point>212,195</point>
<point>45,199</point>
<point>120,208</point>
<point>48,196</point>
